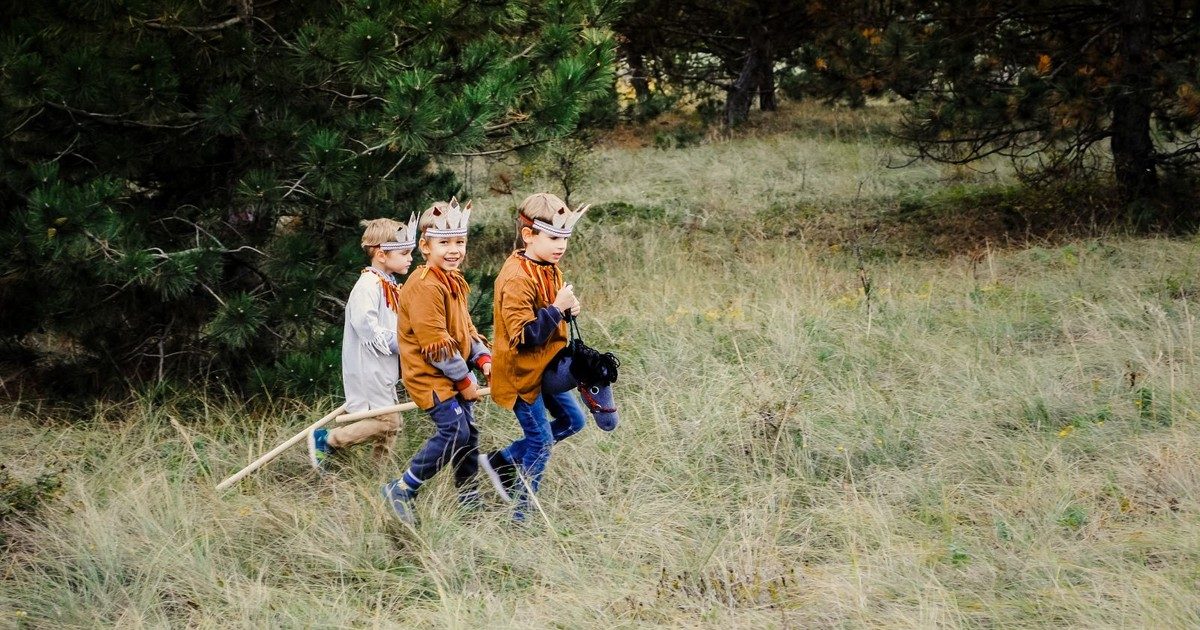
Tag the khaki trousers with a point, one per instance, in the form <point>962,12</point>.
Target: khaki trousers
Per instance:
<point>382,429</point>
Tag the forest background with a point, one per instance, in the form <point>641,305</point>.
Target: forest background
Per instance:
<point>932,268</point>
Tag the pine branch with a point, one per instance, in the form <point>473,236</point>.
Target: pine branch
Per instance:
<point>521,119</point>
<point>68,149</point>
<point>295,186</point>
<point>104,247</point>
<point>120,120</point>
<point>364,98</point>
<point>25,122</point>
<point>371,149</point>
<point>394,167</point>
<point>198,229</point>
<point>494,151</point>
<point>233,21</point>
<point>522,54</point>
<point>213,293</point>
<point>281,38</point>
<point>163,255</point>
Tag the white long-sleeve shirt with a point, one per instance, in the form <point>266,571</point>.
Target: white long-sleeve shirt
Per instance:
<point>370,356</point>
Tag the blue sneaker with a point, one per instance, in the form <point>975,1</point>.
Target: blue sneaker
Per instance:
<point>319,448</point>
<point>400,498</point>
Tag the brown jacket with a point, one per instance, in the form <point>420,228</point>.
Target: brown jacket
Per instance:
<point>433,325</point>
<point>518,372</point>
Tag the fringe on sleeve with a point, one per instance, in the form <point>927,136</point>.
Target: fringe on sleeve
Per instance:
<point>440,351</point>
<point>381,343</point>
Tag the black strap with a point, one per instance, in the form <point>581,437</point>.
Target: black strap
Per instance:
<point>574,329</point>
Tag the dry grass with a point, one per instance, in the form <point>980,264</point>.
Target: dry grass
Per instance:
<point>805,159</point>
<point>965,450</point>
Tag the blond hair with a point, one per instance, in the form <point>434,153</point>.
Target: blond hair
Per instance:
<point>541,207</point>
<point>536,207</point>
<point>377,232</point>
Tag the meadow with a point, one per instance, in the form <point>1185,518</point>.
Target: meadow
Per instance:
<point>846,401</point>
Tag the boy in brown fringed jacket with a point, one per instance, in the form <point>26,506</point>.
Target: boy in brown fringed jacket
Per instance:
<point>530,310</point>
<point>438,345</point>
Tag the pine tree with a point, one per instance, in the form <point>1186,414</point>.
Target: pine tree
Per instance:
<point>182,181</point>
<point>863,51</point>
<point>733,46</point>
<point>1063,88</point>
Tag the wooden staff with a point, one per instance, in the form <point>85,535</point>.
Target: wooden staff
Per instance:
<point>408,406</point>
<point>258,463</point>
<point>335,415</point>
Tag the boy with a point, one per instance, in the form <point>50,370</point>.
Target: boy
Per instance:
<point>438,345</point>
<point>530,310</point>
<point>370,354</point>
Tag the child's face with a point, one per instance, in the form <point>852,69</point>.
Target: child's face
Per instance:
<point>543,247</point>
<point>446,254</point>
<point>395,261</point>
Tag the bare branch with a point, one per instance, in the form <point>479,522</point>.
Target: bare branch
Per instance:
<point>120,120</point>
<point>494,151</point>
<point>194,29</point>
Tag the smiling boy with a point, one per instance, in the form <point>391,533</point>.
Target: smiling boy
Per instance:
<point>438,345</point>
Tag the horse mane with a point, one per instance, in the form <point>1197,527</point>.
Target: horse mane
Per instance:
<point>591,366</point>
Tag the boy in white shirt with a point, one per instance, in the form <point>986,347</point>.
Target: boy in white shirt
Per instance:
<point>370,355</point>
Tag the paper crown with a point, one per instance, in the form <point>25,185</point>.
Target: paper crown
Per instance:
<point>448,222</point>
<point>563,221</point>
<point>405,238</point>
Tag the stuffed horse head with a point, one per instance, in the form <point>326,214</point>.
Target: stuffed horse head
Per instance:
<point>592,373</point>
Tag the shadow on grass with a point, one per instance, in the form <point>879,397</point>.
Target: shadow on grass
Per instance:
<point>966,218</point>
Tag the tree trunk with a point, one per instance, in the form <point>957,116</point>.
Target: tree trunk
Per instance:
<point>766,88</point>
<point>766,82</point>
<point>1132,148</point>
<point>741,93</point>
<point>637,77</point>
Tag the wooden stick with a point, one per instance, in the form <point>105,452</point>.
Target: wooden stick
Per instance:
<point>408,406</point>
<point>335,416</point>
<point>258,463</point>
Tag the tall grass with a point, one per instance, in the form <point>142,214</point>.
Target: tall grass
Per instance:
<point>806,158</point>
<point>1009,440</point>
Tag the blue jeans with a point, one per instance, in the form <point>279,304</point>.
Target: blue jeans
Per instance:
<point>532,452</point>
<point>455,443</point>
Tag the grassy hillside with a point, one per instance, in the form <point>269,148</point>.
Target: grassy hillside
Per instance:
<point>1009,437</point>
